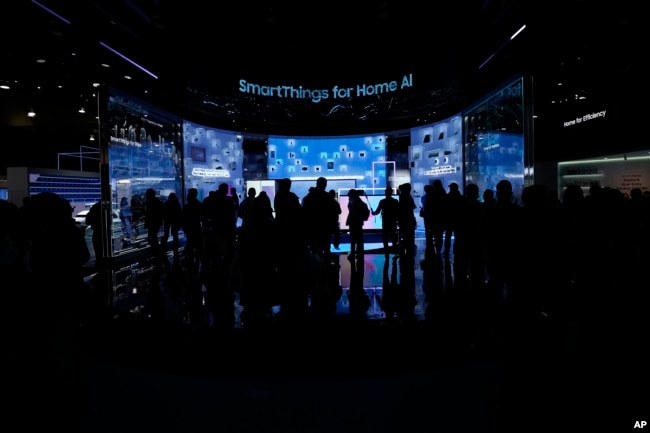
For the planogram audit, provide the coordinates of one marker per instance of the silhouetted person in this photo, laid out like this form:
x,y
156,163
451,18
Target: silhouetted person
x,y
435,213
292,254
454,210
257,265
388,207
501,229
407,223
53,375
245,209
336,225
172,223
220,231
193,228
358,214
319,210
154,215
470,263
428,235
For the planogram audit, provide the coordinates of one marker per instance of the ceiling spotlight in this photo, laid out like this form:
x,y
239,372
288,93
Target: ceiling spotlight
x,y
92,137
31,113
82,111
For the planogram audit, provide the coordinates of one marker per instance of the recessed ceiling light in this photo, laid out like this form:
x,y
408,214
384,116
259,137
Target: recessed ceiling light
x,y
40,60
106,65
128,77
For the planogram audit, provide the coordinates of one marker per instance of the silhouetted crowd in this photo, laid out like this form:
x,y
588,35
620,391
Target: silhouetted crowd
x,y
517,273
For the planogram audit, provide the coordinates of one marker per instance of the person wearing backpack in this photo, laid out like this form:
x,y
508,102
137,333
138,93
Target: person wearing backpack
x,y
358,214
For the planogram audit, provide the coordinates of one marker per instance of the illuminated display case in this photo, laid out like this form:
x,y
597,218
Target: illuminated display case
x,y
622,172
144,151
494,131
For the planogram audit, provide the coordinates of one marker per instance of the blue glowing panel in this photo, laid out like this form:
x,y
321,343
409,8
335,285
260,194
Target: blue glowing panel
x,y
345,157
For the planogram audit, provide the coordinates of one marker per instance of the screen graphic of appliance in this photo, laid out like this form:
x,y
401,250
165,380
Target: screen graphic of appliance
x,y
348,157
436,152
212,157
372,200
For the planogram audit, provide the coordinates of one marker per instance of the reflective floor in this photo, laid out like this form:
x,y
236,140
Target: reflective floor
x,y
134,372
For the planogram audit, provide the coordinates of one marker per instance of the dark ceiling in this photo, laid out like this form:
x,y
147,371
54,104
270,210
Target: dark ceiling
x,y
188,56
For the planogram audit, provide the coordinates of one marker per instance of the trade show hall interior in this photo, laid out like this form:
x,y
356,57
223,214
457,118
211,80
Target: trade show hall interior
x,y
527,314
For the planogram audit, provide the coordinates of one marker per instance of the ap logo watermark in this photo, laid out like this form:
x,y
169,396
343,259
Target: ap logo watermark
x,y
640,424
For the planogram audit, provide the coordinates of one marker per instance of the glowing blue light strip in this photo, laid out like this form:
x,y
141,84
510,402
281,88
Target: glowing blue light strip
x,y
127,59
50,11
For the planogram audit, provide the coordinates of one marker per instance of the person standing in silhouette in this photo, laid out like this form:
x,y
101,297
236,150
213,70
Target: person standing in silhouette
x,y
172,223
193,228
319,210
388,207
336,225
358,214
406,221
292,254
245,209
51,364
154,215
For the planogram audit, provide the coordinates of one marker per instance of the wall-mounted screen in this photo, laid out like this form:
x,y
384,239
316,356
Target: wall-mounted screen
x,y
345,157
212,157
436,152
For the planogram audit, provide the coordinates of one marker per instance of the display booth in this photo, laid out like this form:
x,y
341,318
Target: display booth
x,y
143,147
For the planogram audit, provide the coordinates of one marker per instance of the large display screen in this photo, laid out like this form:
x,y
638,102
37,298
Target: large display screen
x,y
144,151
212,157
344,157
436,152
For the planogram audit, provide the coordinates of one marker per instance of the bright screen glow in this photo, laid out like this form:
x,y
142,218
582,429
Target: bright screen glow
x,y
346,157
